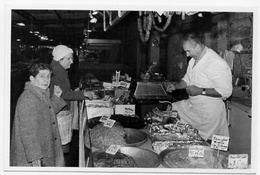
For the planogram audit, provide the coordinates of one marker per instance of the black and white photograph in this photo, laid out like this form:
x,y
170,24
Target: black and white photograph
x,y
111,87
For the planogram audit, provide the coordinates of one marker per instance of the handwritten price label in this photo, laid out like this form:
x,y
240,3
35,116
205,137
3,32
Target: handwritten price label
x,y
238,161
109,123
104,118
196,151
129,111
112,149
220,142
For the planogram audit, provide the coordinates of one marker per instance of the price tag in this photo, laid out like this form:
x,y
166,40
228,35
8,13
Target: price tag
x,y
104,118
112,149
220,142
109,123
238,161
129,110
196,151
125,109
115,84
124,84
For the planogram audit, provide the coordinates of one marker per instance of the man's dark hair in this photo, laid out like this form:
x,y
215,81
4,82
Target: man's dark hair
x,y
195,37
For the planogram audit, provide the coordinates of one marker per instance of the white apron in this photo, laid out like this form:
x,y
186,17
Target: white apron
x,y
207,114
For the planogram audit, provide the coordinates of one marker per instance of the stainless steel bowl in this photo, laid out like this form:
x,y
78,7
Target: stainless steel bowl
x,y
179,158
135,137
144,158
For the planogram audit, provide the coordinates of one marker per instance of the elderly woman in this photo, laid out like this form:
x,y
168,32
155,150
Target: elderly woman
x,y
62,60
35,138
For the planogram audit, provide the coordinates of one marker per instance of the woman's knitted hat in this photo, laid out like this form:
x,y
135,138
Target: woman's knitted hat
x,y
61,51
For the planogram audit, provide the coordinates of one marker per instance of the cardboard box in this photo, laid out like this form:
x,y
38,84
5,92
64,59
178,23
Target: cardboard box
x,y
125,109
98,112
97,108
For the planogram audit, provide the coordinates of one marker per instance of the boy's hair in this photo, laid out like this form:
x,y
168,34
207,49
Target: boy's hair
x,y
34,70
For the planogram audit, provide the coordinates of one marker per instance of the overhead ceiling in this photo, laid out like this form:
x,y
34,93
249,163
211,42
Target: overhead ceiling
x,y
69,27
59,26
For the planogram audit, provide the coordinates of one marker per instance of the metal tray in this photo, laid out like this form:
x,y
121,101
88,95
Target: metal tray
x,y
144,158
150,91
135,137
179,158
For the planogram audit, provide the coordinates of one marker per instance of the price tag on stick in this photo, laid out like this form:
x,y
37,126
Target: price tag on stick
x,y
196,151
220,142
112,149
109,123
104,118
238,161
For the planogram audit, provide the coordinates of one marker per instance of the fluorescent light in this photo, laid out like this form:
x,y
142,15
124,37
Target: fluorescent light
x,y
200,15
94,12
93,20
18,39
20,24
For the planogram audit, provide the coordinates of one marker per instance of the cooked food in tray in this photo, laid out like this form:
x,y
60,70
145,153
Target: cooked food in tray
x,y
104,159
173,131
159,146
102,137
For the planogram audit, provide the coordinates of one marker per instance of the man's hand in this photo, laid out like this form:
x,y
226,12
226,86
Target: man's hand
x,y
193,90
170,88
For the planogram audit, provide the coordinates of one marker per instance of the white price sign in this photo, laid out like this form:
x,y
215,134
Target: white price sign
x,y
125,109
109,123
112,149
238,161
196,151
220,142
104,118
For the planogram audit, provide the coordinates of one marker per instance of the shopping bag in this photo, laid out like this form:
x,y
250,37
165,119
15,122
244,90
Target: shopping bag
x,y
65,126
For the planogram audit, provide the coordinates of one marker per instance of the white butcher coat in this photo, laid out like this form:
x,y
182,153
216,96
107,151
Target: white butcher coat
x,y
207,114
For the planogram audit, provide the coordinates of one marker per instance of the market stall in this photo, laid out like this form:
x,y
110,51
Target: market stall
x,y
128,140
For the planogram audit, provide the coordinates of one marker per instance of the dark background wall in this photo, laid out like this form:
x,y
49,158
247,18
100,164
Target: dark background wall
x,y
222,32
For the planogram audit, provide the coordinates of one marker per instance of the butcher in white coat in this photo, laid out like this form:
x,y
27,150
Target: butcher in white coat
x,y
208,81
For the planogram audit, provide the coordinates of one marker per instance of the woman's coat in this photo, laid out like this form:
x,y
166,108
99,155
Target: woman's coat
x,y
35,132
61,79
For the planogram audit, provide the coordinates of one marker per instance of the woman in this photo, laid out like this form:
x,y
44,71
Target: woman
x,y
35,138
62,60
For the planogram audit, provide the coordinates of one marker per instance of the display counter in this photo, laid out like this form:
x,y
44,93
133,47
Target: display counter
x,y
152,145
